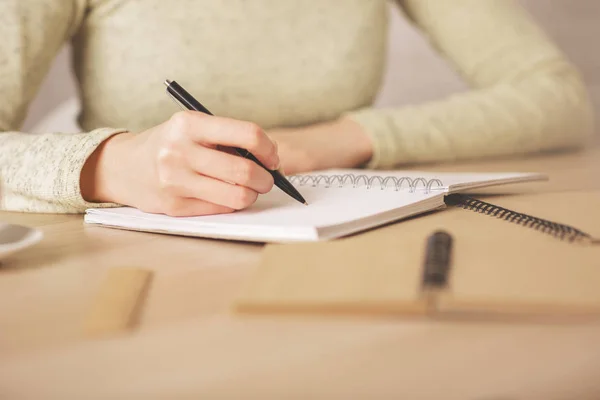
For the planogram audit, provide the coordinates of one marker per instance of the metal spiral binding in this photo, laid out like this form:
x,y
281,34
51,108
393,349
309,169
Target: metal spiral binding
x,y
384,182
560,231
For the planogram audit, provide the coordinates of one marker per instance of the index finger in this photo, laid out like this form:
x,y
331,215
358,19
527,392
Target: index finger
x,y
216,131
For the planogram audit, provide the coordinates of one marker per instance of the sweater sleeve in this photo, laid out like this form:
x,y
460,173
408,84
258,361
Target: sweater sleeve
x,y
526,96
38,173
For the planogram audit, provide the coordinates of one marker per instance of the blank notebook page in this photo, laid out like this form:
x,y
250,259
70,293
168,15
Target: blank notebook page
x,y
278,215
332,210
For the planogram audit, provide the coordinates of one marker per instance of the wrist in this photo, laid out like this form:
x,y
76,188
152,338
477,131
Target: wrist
x,y
100,173
356,141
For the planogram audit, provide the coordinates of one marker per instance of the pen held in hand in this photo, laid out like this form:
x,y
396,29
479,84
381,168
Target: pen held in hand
x,y
187,101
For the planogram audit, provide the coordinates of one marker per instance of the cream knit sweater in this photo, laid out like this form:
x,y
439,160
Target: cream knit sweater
x,y
278,63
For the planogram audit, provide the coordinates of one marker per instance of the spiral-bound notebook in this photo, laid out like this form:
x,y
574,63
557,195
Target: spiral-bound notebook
x,y
341,202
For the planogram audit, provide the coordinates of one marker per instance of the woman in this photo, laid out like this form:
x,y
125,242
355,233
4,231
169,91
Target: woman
x,y
305,72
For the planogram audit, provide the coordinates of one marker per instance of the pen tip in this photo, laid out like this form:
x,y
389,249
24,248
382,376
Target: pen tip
x,y
167,82
305,203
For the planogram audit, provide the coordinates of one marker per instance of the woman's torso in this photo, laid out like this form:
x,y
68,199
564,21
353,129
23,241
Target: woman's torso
x,y
278,63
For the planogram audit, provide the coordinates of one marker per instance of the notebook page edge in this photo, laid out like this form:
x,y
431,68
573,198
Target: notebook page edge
x,y
266,234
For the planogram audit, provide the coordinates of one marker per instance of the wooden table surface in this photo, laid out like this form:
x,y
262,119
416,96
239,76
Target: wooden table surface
x,y
190,345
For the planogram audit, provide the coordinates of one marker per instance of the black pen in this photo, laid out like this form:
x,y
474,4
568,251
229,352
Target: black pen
x,y
188,101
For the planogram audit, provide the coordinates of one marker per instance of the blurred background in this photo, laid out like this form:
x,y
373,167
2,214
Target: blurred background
x,y
415,73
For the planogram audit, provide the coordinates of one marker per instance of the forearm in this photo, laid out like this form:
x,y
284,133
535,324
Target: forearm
x,y
38,173
526,96
539,113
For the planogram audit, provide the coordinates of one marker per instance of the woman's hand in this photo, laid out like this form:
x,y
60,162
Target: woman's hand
x,y
338,144
176,168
